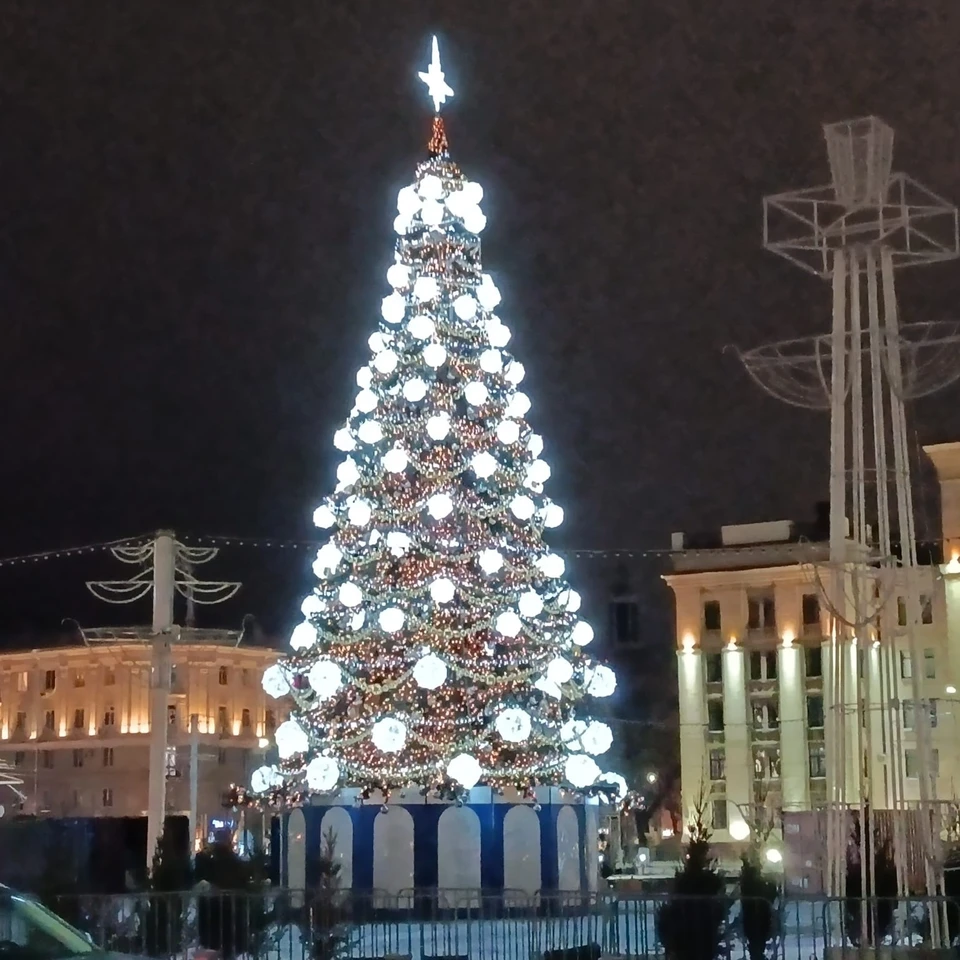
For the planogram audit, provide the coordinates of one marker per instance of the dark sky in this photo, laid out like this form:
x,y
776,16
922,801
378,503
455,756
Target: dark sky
x,y
196,205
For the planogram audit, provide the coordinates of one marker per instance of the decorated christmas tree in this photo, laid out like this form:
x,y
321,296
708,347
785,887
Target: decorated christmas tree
x,y
442,646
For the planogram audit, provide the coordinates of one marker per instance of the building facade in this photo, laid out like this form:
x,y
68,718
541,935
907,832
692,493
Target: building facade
x,y
755,696
75,724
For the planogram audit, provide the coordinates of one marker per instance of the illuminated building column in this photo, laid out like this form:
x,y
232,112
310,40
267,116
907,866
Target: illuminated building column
x,y
793,729
692,730
736,735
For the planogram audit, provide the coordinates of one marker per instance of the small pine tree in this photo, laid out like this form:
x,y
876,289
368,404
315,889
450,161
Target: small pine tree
x,y
692,922
170,875
758,897
880,896
324,924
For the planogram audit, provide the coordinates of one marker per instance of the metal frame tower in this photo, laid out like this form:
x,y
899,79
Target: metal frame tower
x,y
856,232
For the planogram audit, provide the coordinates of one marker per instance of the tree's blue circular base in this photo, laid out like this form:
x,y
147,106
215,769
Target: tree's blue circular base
x,y
491,843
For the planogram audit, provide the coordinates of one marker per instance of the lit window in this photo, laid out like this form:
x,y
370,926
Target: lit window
x,y
766,715
78,758
906,666
78,718
718,819
109,717
50,681
245,719
929,664
23,681
717,765
223,677
107,797
79,680
818,760
108,756
171,762
50,720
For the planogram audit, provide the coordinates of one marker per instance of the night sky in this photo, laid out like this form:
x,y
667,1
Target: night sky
x,y
196,206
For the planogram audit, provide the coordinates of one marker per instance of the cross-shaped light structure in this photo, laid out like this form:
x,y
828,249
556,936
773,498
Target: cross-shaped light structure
x,y
437,88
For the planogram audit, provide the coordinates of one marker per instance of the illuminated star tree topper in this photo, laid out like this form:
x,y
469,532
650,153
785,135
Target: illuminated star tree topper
x,y
437,87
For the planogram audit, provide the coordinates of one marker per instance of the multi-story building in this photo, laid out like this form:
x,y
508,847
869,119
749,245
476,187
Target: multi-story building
x,y
753,651
75,723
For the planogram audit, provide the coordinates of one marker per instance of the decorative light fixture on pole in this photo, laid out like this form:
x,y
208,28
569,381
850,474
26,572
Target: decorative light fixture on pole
x,y
856,232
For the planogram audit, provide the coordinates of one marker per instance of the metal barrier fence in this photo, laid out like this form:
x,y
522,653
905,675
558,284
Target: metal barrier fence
x,y
468,925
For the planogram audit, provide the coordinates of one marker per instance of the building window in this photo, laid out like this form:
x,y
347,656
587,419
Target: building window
x,y
50,681
926,608
929,664
109,677
50,720
172,714
107,797
19,758
245,677
78,758
21,722
171,762
46,759
270,720
810,611
245,719
222,722
718,814
223,677
906,666
813,661
109,717
761,613
815,712
108,756
717,765
763,666
78,718
766,715
766,763
221,757
818,760
713,663
909,715
715,716
23,681
711,615
625,621
79,680
912,763
901,611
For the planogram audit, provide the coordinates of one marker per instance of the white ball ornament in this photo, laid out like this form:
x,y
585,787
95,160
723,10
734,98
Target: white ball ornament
x,y
522,507
402,224
364,377
342,440
538,472
518,406
597,738
358,620
274,682
514,372
386,361
347,472
476,393
484,464
491,360
431,213
312,605
548,687
265,778
389,734
324,517
570,734
398,543
466,770
487,292
322,774
393,307
513,725
434,355
391,619
550,565
465,307
508,431
304,636
370,431
438,426
349,594
359,513
474,219
395,460
398,275
325,678
535,443
366,401
430,187
429,672
471,191
582,633
569,600
414,390
421,327
442,590
490,560
408,203
530,603
328,559
498,333
291,739
439,506
580,770
615,781
552,515
559,670
425,288
600,681
508,624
